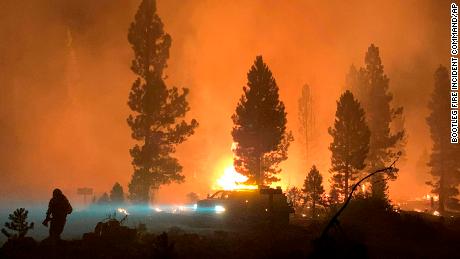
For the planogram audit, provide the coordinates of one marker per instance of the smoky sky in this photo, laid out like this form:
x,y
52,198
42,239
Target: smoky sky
x,y
65,78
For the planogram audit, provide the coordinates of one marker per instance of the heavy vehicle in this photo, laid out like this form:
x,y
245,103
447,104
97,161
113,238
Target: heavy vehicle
x,y
248,205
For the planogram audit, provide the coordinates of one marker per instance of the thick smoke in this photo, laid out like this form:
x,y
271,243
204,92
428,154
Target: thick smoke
x,y
65,79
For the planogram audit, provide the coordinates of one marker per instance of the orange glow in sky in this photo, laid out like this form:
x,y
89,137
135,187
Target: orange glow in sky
x,y
65,79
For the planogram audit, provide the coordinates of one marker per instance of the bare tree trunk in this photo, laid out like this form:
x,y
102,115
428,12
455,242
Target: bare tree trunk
x,y
259,174
313,208
306,145
347,175
442,197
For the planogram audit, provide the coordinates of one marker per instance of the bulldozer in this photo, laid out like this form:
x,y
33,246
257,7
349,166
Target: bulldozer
x,y
261,205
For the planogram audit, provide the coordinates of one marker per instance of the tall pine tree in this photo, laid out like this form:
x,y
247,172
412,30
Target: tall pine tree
x,y
372,88
306,122
356,83
260,127
445,168
350,143
157,121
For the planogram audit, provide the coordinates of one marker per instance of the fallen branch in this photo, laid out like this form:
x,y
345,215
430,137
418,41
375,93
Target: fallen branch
x,y
334,220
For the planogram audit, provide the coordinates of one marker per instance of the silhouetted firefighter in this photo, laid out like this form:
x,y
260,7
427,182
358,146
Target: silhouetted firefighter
x,y
58,209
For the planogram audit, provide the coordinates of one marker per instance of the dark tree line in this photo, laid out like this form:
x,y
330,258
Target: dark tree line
x,y
116,196
368,131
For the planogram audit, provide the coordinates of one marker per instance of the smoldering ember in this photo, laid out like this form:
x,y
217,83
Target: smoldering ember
x,y
229,129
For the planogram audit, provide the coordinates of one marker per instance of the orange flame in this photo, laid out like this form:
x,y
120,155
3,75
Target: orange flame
x,y
232,180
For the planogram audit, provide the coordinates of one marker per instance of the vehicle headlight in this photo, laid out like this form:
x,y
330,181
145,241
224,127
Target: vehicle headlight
x,y
219,208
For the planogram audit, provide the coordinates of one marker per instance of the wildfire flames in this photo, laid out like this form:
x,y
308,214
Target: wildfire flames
x,y
429,196
232,180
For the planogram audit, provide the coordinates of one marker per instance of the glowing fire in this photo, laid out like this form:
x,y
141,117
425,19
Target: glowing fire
x,y
428,197
363,188
232,180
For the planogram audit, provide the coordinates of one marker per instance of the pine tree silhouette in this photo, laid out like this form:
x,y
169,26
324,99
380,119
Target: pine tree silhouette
x,y
370,84
18,223
157,121
444,164
313,188
260,127
350,144
117,195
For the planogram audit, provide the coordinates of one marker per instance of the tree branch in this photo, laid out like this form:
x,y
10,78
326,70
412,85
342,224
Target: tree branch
x,y
334,220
